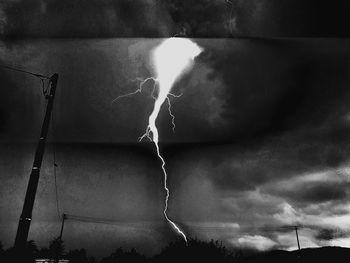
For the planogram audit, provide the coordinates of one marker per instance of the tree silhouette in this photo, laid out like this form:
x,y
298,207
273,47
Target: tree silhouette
x,y
28,255
77,256
196,251
122,256
31,248
54,251
1,252
56,248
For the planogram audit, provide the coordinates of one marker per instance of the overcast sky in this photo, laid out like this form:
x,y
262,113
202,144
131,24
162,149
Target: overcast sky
x,y
261,138
164,18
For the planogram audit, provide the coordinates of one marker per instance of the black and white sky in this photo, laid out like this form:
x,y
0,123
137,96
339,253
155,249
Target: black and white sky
x,y
262,128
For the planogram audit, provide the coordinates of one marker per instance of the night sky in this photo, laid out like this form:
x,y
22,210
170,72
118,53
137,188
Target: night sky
x,y
262,133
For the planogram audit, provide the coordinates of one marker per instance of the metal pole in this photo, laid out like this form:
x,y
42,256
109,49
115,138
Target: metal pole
x,y
26,216
296,233
62,226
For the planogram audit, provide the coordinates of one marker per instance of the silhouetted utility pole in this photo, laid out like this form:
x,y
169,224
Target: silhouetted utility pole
x,y
26,216
296,233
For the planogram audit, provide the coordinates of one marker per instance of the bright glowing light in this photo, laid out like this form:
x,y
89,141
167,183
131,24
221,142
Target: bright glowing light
x,y
171,59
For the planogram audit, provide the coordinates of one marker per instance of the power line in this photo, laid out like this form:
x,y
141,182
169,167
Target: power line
x,y
40,76
134,225
55,170
25,71
94,219
56,190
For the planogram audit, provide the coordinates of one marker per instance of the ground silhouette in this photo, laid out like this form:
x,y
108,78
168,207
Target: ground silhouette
x,y
178,251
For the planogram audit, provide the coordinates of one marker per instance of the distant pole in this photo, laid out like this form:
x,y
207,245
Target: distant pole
x,y
62,226
26,216
296,233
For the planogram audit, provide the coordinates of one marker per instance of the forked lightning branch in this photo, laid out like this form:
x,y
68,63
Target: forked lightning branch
x,y
170,60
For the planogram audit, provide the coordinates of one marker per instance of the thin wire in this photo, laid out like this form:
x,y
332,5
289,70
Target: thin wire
x,y
41,77
104,221
55,176
24,71
57,202
55,164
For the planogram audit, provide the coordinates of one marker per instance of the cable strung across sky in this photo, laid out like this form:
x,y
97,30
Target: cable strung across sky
x,y
170,60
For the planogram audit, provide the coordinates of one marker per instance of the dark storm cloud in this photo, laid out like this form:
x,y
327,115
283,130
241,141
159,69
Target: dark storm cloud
x,y
279,118
154,18
4,118
14,105
328,234
256,18
234,171
283,85
281,182
83,18
327,209
205,18
91,74
244,166
317,192
293,18
117,182
240,91
121,18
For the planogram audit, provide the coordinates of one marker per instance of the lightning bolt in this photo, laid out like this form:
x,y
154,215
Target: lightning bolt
x,y
172,58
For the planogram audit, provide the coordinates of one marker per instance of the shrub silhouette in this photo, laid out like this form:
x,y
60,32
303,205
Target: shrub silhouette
x,y
27,256
178,251
195,251
77,256
122,256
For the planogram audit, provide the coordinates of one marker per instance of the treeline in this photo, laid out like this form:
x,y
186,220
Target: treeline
x,y
55,250
195,250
